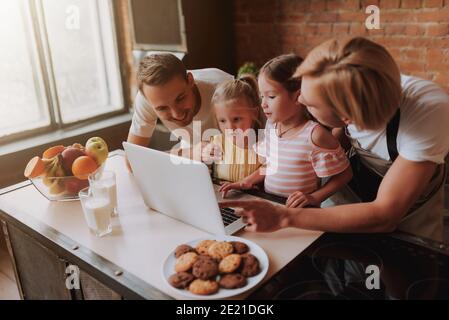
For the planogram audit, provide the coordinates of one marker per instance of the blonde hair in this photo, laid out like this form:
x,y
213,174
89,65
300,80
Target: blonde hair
x,y
244,88
158,69
358,78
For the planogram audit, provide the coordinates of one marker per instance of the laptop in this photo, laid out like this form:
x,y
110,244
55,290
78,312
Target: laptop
x,y
182,189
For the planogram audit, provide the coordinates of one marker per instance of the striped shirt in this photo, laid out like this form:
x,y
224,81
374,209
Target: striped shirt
x,y
296,163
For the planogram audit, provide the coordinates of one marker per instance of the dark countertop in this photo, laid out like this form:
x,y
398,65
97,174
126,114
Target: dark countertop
x,y
339,266
380,267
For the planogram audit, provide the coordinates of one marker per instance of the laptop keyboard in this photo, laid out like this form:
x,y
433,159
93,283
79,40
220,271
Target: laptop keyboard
x,y
228,216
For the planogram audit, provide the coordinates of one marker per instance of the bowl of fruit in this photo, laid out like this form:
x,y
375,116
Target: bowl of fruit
x,y
63,171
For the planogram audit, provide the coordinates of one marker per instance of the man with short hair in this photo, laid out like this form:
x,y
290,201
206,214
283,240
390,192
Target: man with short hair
x,y
174,95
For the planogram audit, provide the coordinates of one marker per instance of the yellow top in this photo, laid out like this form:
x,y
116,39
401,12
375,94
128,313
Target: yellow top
x,y
237,163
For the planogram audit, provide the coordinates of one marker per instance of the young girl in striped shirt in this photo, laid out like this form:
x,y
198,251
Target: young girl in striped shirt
x,y
298,152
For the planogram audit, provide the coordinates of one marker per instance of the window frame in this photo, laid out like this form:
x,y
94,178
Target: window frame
x,y
41,62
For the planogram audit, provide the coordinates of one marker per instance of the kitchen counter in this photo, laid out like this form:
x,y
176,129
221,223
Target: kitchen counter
x,y
129,260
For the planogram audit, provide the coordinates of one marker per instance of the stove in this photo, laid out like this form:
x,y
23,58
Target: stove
x,y
363,267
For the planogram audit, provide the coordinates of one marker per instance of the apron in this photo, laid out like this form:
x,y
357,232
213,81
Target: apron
x,y
425,217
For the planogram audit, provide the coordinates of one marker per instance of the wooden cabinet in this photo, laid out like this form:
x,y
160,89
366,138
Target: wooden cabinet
x,y
43,274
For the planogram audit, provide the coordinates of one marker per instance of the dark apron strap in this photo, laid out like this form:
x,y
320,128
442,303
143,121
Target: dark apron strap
x,y
392,135
366,182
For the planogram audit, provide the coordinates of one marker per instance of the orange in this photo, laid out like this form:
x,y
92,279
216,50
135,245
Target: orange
x,y
52,151
34,168
83,166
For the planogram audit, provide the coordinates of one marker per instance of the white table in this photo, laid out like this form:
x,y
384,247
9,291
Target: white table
x,y
141,238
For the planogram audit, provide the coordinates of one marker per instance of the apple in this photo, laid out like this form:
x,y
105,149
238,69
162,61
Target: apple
x,y
97,149
69,155
74,185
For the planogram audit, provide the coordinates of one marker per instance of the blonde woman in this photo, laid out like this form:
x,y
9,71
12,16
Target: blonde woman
x,y
398,127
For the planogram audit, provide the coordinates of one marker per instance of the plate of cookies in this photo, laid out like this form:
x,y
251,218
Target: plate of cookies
x,y
215,267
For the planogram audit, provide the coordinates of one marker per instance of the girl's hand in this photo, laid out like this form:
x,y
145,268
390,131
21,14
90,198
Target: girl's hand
x,y
211,153
228,186
299,200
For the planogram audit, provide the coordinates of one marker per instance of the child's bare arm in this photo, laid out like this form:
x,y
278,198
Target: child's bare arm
x,y
339,134
334,184
324,139
256,177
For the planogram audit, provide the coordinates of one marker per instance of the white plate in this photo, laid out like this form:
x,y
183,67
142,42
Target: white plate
x,y
168,268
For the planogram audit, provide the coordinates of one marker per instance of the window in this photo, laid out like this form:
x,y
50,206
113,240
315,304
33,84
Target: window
x,y
59,64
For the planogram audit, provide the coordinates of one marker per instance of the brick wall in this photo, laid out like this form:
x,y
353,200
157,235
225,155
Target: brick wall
x,y
416,32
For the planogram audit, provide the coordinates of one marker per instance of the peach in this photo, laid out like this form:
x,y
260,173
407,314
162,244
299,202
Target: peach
x,y
53,151
34,168
83,166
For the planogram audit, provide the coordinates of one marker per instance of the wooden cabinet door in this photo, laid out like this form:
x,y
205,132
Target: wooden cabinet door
x,y
40,272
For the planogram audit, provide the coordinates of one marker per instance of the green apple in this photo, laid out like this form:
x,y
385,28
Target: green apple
x,y
97,149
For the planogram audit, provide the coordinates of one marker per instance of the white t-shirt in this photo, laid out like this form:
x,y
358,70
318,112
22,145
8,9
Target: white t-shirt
x,y
145,118
423,133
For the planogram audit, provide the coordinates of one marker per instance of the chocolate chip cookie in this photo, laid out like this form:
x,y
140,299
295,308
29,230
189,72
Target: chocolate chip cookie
x,y
205,268
181,280
203,246
230,263
219,250
203,287
185,262
249,266
233,281
240,247
183,248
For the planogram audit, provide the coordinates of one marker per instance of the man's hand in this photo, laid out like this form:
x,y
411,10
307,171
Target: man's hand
x,y
299,200
261,215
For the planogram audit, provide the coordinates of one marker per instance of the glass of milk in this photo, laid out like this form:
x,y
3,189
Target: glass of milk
x,y
105,183
97,211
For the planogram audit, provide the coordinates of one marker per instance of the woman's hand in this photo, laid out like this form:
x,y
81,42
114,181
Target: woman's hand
x,y
261,215
240,185
300,200
211,153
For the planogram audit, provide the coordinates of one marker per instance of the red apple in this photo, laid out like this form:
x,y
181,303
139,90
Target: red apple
x,y
74,185
69,155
